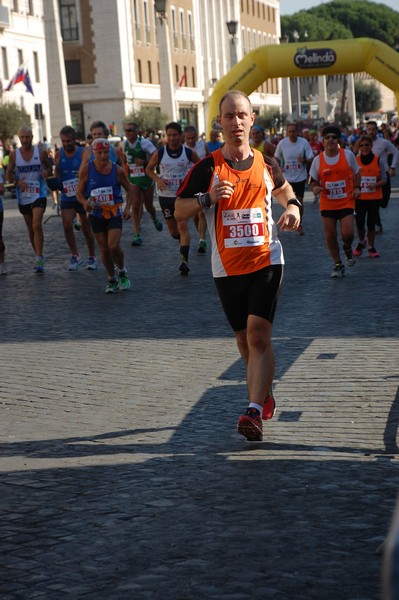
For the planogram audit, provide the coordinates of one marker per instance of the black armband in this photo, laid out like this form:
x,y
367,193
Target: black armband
x,y
204,200
294,201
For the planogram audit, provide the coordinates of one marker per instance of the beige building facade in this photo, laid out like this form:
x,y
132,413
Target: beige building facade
x,y
114,55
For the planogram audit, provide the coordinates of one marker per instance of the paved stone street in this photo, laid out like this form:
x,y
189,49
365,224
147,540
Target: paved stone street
x,y
122,474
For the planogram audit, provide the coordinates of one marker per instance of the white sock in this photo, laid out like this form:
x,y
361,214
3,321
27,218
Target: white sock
x,y
257,406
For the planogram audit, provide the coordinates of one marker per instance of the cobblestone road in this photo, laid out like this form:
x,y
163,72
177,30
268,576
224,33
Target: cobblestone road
x,y
122,475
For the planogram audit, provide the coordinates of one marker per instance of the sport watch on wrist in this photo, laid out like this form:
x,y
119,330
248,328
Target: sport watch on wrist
x,y
294,201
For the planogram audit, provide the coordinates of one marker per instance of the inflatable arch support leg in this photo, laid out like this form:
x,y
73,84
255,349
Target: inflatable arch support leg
x,y
335,57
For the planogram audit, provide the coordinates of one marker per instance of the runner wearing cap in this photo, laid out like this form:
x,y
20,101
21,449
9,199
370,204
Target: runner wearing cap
x,y
99,191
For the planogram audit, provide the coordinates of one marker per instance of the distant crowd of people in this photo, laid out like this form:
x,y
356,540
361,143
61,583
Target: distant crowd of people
x,y
159,161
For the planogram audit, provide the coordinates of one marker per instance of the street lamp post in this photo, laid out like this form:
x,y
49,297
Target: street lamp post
x,y
232,27
295,36
168,104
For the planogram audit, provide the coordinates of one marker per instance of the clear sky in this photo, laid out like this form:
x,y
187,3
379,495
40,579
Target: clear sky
x,y
288,7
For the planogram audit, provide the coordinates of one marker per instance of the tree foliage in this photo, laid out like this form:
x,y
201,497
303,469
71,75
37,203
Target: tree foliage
x,y
272,119
343,19
148,118
368,97
11,119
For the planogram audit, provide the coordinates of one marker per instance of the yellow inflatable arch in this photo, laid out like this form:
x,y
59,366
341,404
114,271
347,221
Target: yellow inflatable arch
x,y
311,59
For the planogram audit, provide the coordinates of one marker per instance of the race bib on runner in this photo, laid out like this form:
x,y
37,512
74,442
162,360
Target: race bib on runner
x,y
243,228
136,171
31,191
293,165
102,196
173,184
70,187
336,190
365,184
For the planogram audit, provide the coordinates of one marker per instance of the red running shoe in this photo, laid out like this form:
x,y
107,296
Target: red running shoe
x,y
269,407
250,425
373,253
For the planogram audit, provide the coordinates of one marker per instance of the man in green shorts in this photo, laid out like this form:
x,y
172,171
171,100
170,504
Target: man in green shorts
x,y
137,151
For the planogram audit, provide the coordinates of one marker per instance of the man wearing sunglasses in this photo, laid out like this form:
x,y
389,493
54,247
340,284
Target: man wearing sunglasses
x,y
335,175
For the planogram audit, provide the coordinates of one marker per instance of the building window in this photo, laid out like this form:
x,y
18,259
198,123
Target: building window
x,y
154,12
191,32
20,57
139,71
147,24
4,63
149,72
30,7
193,76
69,21
73,72
78,120
136,21
36,66
174,29
15,6
177,73
183,31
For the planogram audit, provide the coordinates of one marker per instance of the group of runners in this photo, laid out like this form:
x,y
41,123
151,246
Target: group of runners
x,y
228,191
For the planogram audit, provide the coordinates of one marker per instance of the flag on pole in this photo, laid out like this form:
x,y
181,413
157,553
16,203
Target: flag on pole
x,y
182,80
21,75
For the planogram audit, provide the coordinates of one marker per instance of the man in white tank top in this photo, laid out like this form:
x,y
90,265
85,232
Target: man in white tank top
x,y
29,168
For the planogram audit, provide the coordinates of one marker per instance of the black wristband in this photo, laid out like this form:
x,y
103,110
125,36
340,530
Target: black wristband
x,y
204,200
294,201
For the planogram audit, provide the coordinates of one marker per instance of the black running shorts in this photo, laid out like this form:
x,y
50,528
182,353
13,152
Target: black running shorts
x,y
252,294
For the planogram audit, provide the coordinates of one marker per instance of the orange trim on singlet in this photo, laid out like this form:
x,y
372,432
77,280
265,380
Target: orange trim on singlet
x,y
337,183
242,230
366,171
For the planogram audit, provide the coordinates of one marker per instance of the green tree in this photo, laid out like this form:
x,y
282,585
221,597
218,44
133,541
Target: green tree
x,y
367,96
343,19
11,119
147,118
272,119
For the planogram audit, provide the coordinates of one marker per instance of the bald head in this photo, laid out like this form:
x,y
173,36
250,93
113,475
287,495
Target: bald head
x,y
25,136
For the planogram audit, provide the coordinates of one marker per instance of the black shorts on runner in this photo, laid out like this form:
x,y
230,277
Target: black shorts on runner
x,y
299,188
101,225
251,294
167,206
73,205
337,214
369,209
26,209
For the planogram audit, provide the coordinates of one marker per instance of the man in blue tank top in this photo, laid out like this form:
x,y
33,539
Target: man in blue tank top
x,y
99,191
67,164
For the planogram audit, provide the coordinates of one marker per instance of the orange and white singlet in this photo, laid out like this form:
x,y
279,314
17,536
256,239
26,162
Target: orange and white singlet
x,y
370,173
337,183
242,230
